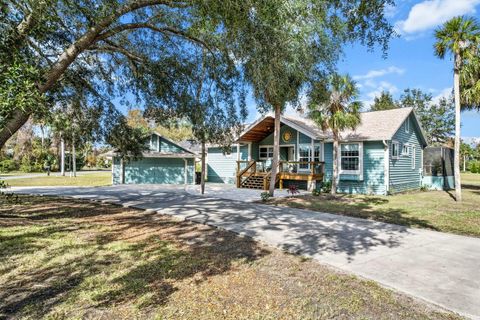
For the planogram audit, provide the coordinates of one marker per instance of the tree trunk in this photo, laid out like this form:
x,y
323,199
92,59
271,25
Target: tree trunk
x,y
202,178
62,156
276,150
456,161
43,136
74,160
464,163
18,120
122,171
335,165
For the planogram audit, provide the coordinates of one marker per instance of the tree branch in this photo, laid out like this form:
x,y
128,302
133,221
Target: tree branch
x,y
164,30
112,47
89,37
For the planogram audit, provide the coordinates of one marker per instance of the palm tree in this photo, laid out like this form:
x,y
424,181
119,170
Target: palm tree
x,y
333,106
470,82
457,36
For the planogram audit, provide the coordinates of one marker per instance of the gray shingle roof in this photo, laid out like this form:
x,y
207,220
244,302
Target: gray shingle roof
x,y
375,125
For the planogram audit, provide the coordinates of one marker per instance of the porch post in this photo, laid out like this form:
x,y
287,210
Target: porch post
x,y
310,183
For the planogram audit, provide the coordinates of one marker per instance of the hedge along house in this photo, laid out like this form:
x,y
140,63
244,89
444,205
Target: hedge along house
x,y
383,155
164,163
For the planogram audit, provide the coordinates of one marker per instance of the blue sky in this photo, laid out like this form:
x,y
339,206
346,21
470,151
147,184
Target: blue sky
x,y
410,62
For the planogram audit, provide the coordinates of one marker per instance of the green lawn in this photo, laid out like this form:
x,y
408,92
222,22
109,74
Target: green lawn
x,y
71,259
436,210
470,178
87,180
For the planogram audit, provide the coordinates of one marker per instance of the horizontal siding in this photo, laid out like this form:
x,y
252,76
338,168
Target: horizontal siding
x,y
269,139
402,176
167,146
373,170
155,171
222,167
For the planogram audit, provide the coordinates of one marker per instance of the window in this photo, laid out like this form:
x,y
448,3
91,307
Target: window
x,y
350,158
317,153
266,153
405,150
414,158
395,149
407,126
317,157
304,154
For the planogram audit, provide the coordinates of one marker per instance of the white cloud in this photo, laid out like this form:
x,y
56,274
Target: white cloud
x,y
431,13
444,93
390,11
379,73
471,140
379,88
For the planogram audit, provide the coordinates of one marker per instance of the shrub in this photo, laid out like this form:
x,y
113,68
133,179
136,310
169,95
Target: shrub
x,y
25,164
316,192
5,196
474,167
102,162
8,165
265,196
326,186
425,187
293,189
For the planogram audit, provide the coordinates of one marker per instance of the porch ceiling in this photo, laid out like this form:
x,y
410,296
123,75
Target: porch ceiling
x,y
259,131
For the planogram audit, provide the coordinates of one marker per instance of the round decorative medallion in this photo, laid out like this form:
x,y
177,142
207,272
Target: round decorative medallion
x,y
287,135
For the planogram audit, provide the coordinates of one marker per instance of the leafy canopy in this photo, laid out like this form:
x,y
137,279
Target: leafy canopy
x,y
286,44
332,104
457,37
437,118
383,102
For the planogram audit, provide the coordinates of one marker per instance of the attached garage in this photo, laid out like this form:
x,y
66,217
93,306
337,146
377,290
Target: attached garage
x,y
165,163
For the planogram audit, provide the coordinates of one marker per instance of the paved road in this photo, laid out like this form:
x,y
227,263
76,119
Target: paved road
x,y
440,268
44,174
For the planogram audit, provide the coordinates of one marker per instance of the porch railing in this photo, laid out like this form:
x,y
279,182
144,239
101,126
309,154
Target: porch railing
x,y
302,167
286,169
245,169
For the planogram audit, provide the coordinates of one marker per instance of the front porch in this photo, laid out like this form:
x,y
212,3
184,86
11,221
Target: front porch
x,y
256,174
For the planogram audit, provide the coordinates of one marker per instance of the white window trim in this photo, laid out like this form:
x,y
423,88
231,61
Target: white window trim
x,y
310,156
407,146
358,172
398,149
407,126
264,146
321,155
414,158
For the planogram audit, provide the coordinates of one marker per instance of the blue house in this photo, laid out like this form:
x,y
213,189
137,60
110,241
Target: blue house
x,y
382,156
165,163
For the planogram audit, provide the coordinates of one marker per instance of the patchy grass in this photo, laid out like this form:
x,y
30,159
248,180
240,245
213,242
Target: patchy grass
x,y
72,259
86,180
436,210
469,178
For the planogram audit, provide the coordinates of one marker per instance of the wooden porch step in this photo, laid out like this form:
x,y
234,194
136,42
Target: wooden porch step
x,y
253,182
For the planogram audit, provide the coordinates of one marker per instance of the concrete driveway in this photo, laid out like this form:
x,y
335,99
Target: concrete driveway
x,y
437,267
